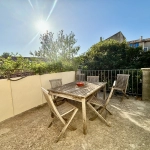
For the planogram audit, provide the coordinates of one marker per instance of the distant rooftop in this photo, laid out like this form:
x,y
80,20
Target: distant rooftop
x,y
117,36
140,40
118,33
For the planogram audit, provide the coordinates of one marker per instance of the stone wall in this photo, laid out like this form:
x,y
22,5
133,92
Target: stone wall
x,y
146,84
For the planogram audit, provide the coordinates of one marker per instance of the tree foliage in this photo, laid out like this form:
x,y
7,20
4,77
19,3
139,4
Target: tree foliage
x,y
16,65
13,63
5,55
111,54
60,49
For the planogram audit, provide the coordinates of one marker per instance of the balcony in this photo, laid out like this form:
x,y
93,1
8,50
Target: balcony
x,y
24,116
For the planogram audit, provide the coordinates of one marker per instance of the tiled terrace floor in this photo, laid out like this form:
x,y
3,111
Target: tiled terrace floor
x,y
130,129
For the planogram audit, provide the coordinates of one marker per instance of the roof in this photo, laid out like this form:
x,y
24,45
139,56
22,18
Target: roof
x,y
115,35
139,40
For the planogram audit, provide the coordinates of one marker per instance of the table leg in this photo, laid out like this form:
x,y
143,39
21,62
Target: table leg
x,y
84,116
104,92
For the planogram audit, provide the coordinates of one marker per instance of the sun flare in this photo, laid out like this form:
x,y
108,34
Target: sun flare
x,y
42,26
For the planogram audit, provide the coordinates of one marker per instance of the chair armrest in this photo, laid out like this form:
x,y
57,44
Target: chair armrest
x,y
114,83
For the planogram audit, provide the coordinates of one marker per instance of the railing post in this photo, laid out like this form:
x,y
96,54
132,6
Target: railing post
x,y
78,71
146,84
135,84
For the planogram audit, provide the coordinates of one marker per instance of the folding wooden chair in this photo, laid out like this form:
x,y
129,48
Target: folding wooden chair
x,y
60,111
121,84
92,78
56,83
98,106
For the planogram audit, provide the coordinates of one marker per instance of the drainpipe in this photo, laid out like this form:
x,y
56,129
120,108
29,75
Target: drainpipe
x,y
141,39
143,45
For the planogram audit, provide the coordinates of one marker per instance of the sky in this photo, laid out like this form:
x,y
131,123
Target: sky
x,y
22,21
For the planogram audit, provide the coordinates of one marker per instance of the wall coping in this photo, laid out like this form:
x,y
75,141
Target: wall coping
x,y
145,69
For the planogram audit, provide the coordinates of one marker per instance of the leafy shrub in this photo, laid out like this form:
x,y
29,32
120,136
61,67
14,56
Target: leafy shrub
x,y
12,66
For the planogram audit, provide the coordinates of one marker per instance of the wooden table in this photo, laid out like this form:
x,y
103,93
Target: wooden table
x,y
80,94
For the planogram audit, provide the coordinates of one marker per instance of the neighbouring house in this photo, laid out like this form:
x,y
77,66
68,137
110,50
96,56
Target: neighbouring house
x,y
144,43
118,37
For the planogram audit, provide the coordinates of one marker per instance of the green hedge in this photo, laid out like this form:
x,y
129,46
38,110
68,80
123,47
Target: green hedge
x,y
17,66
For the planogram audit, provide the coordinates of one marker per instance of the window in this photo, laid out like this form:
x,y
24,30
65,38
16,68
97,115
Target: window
x,y
130,45
134,45
145,49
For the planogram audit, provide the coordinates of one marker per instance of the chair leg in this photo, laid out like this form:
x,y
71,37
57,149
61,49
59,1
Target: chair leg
x,y
112,92
125,95
102,109
98,114
52,116
93,118
70,127
66,125
50,124
108,111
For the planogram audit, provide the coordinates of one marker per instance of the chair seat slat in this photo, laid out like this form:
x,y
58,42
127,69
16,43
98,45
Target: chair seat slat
x,y
65,108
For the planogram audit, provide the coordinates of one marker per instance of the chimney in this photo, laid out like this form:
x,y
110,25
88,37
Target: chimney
x,y
141,38
100,39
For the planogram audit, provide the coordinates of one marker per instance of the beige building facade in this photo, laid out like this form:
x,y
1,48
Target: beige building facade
x,y
144,43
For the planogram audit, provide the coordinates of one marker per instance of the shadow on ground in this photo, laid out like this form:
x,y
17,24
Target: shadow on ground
x,y
130,129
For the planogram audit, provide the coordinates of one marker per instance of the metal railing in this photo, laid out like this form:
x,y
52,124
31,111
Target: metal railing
x,y
135,79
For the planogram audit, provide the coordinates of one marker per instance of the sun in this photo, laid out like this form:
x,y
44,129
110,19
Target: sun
x,y
42,26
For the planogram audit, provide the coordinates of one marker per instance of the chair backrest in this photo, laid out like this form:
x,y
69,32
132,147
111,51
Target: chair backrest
x,y
50,102
122,81
92,78
55,83
80,77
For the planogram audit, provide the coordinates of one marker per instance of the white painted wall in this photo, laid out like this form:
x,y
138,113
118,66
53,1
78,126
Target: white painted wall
x,y
19,96
6,107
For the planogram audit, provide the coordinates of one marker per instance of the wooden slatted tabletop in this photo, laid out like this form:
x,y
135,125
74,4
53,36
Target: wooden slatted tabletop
x,y
83,91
